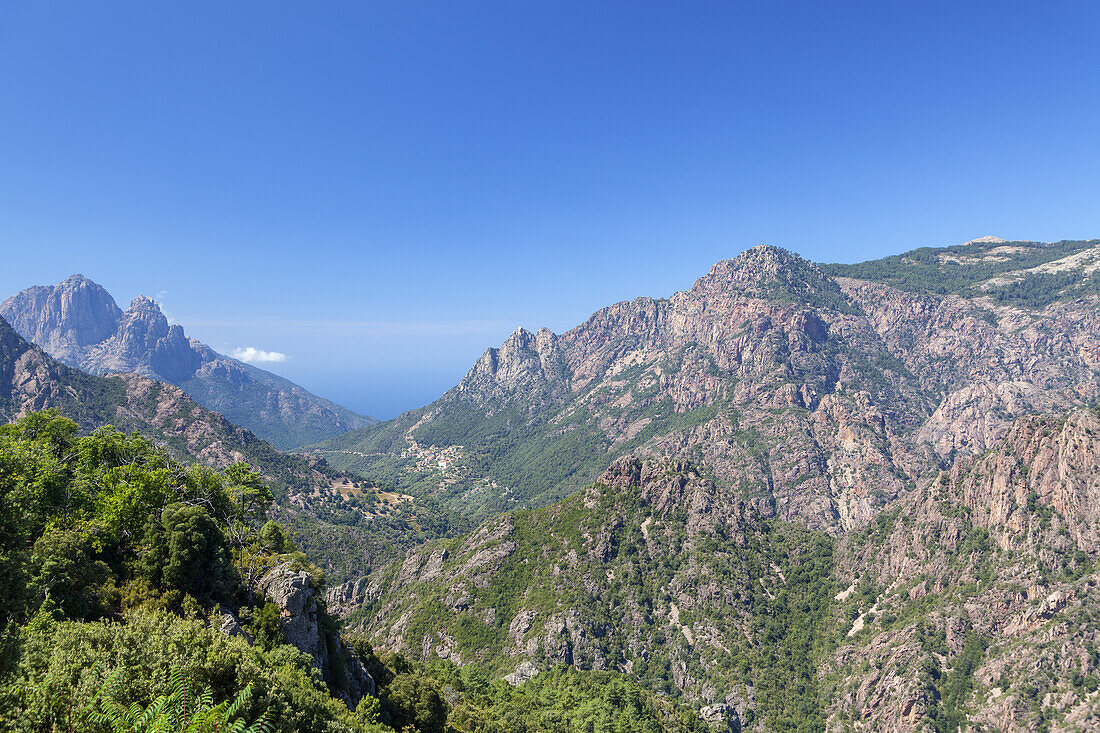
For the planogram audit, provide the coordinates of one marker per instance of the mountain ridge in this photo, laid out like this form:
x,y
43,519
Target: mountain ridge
x,y
819,502
79,323
822,394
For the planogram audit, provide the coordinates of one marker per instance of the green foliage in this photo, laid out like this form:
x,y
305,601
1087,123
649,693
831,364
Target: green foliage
x,y
561,700
64,665
248,499
187,552
413,699
82,517
180,711
1040,289
95,526
272,538
63,570
349,536
948,714
263,624
791,628
957,269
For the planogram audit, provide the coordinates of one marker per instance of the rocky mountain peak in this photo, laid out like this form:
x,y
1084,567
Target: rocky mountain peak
x,y
78,322
768,272
521,338
142,326
64,317
523,359
144,304
987,239
78,280
763,259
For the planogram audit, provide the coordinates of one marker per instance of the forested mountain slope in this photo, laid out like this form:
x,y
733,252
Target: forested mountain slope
x,y
78,322
344,523
972,598
142,594
655,571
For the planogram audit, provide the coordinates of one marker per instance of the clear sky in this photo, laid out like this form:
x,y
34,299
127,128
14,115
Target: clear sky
x,y
380,190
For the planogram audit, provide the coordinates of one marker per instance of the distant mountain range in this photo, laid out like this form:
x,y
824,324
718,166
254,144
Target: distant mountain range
x,y
822,391
78,322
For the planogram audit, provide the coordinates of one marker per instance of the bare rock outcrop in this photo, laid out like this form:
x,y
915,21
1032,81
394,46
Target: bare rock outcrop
x,y
301,620
1002,548
299,611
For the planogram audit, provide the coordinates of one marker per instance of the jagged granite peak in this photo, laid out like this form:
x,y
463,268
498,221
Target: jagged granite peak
x,y
147,311
78,322
145,343
519,363
64,318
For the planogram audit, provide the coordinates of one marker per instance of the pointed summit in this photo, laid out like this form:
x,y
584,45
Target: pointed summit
x,y
525,360
144,303
63,318
76,279
768,272
144,330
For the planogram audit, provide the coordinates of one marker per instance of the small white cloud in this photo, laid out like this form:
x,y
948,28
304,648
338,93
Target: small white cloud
x,y
251,354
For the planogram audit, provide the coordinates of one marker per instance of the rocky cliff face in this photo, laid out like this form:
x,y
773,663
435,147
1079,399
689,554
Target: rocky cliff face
x,y
145,343
64,319
306,625
526,364
822,397
999,553
77,322
989,362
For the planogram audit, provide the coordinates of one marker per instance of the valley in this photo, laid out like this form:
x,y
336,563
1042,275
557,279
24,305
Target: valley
x,y
794,497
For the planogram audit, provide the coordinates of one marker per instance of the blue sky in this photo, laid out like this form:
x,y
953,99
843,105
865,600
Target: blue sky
x,y
380,190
